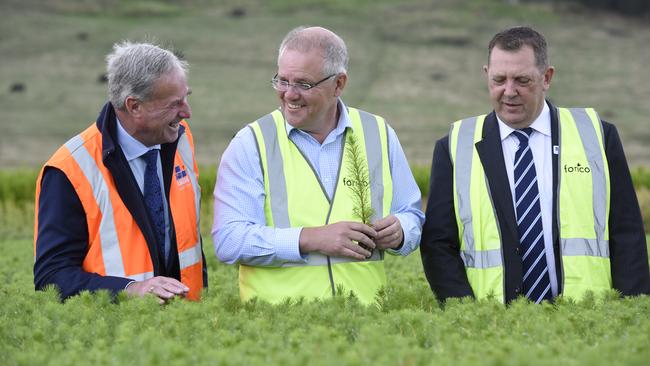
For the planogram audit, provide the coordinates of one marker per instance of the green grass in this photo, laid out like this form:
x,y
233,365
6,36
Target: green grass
x,y
408,328
416,62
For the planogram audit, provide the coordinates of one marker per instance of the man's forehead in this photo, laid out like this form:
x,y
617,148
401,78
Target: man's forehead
x,y
515,61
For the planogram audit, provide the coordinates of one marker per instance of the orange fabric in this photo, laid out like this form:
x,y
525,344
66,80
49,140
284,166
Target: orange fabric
x,y
135,256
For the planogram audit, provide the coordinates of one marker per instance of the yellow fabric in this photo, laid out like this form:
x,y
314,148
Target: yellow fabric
x,y
581,273
308,206
484,281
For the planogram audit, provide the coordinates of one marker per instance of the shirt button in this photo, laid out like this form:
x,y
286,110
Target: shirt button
x,y
517,290
518,251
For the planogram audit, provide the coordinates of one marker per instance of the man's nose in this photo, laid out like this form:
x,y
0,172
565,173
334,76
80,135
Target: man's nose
x,y
185,111
510,89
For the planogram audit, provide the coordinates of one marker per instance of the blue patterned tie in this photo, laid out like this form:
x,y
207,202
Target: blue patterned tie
x,y
153,197
537,284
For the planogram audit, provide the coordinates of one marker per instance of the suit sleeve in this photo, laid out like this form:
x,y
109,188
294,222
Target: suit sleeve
x,y
627,244
440,247
62,241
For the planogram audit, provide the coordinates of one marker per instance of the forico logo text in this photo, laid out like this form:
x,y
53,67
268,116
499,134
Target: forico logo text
x,y
576,169
352,182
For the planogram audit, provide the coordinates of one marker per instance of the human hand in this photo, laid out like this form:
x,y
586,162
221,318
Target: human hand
x,y
165,288
389,232
341,239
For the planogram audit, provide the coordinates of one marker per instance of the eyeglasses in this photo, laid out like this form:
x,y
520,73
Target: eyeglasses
x,y
283,85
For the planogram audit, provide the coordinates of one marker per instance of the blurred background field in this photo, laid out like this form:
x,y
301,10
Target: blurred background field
x,y
416,62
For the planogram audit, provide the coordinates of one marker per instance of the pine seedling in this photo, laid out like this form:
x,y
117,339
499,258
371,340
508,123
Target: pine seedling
x,y
360,187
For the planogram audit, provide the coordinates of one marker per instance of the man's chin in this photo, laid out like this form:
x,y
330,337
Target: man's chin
x,y
512,120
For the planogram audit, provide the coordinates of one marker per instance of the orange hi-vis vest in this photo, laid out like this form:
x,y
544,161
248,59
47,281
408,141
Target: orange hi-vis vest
x,y
116,245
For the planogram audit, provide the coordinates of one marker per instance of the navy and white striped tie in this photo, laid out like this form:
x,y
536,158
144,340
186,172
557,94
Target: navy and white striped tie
x,y
537,284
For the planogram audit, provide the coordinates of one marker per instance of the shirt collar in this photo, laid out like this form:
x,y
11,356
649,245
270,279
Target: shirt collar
x,y
341,125
131,147
542,124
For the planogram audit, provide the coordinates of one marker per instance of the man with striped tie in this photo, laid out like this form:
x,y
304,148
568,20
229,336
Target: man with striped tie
x,y
531,200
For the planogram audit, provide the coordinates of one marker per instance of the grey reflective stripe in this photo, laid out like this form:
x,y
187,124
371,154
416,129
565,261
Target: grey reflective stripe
x,y
585,247
185,151
190,257
141,276
111,253
317,259
481,258
463,175
277,185
597,166
375,162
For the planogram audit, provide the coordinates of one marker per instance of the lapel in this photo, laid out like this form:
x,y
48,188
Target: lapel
x,y
126,185
555,141
491,154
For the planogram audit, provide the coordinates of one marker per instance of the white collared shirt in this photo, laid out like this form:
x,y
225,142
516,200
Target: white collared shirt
x,y
541,147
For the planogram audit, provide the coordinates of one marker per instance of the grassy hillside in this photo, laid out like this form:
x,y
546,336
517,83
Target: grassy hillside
x,y
416,62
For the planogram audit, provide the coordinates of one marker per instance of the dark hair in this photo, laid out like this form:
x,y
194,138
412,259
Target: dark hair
x,y
513,39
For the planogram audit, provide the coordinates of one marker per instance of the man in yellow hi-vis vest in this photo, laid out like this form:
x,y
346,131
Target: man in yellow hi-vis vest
x,y
117,206
310,196
531,200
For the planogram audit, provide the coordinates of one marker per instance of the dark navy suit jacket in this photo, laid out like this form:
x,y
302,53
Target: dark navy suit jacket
x,y
62,240
440,247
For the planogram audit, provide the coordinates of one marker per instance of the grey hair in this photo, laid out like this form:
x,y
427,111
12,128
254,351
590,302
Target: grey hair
x,y
133,68
333,49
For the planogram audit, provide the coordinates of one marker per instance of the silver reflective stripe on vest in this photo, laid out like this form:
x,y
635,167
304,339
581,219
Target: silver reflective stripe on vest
x,y
375,163
481,258
141,276
111,254
463,174
185,151
275,166
190,257
597,166
585,247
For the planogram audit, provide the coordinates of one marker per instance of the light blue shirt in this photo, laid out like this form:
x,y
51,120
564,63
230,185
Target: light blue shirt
x,y
239,230
540,145
133,151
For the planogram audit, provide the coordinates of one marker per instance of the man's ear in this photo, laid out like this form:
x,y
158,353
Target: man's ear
x,y
548,75
341,80
133,105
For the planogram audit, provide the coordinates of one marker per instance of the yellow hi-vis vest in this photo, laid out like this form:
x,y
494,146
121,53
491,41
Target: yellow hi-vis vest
x,y
295,198
584,195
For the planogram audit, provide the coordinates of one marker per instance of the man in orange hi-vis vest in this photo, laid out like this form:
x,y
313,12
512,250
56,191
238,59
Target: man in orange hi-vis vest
x,y
117,206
